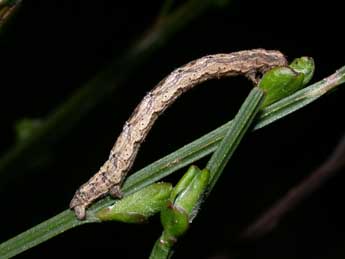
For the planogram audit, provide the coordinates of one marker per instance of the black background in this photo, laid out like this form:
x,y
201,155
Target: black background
x,y
53,47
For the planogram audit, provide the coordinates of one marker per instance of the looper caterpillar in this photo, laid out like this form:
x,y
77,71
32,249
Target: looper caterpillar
x,y
110,176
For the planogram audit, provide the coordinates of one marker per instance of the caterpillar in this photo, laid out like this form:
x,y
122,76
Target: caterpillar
x,y
108,180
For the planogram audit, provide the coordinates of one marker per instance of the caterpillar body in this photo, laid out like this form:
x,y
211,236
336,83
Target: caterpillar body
x,y
110,176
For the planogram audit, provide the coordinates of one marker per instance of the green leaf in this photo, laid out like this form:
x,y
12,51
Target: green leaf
x,y
139,206
185,197
280,82
189,198
175,222
178,213
185,180
234,134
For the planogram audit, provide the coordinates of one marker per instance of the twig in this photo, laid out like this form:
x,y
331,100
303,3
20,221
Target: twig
x,y
234,135
192,186
270,218
167,165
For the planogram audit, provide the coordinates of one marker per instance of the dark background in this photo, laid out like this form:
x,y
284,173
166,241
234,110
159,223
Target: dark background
x,y
53,47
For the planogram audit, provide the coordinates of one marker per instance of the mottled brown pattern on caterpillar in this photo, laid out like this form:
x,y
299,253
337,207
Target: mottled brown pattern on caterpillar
x,y
110,176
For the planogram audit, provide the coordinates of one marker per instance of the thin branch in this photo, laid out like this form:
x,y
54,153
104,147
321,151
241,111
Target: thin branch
x,y
167,165
195,182
271,217
234,135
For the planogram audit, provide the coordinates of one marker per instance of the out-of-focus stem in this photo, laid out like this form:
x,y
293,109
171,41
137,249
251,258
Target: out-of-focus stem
x,y
67,115
271,217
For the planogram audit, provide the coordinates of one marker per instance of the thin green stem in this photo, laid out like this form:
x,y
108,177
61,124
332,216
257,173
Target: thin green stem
x,y
169,164
38,234
234,135
208,143
189,202
160,251
301,98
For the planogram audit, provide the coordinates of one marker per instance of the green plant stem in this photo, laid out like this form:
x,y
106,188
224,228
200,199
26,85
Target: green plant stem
x,y
165,166
160,250
234,135
67,115
40,233
301,98
208,143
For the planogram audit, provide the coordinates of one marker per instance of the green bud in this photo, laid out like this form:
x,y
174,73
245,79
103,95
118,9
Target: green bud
x,y
175,223
190,197
304,65
183,202
280,82
139,206
184,181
